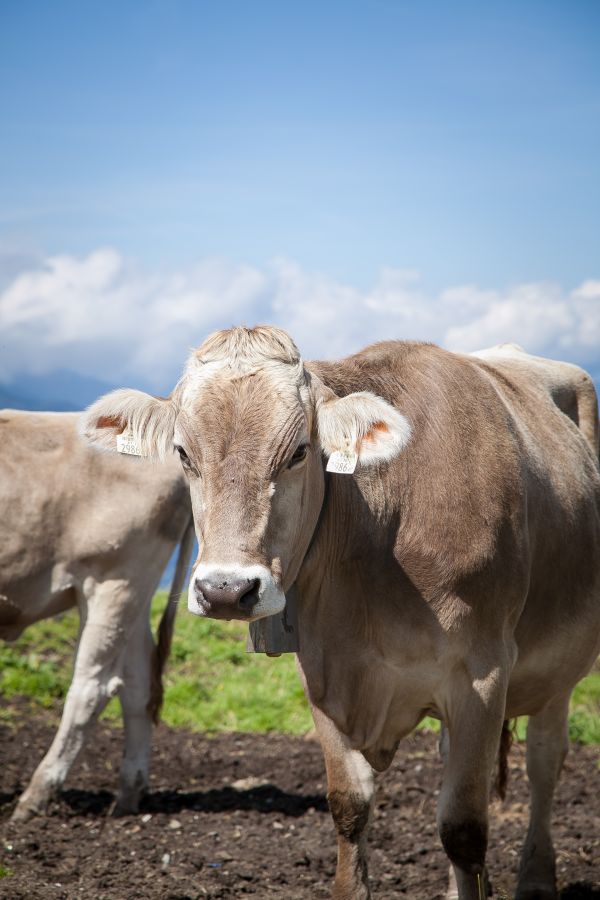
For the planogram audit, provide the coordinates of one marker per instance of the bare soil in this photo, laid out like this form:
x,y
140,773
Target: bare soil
x,y
245,814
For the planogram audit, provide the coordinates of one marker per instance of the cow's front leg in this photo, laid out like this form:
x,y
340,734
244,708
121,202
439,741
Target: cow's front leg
x,y
547,744
452,892
135,696
350,793
474,712
96,678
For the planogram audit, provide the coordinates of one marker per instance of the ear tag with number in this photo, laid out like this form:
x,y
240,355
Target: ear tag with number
x,y
126,443
343,462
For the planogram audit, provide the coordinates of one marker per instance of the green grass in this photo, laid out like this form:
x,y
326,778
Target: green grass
x,y
584,719
39,664
212,684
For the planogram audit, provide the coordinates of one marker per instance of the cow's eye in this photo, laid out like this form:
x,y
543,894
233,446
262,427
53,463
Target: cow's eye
x,y
185,460
299,456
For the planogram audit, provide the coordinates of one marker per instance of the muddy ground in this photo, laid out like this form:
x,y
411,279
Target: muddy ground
x,y
243,814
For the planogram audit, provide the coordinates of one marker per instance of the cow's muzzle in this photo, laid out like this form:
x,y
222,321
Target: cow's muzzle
x,y
230,591
227,598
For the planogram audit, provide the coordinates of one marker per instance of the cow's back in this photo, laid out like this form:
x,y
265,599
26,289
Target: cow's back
x,y
570,387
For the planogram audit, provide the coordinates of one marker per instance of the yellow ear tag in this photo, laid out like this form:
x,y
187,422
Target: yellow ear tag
x,y
343,462
126,443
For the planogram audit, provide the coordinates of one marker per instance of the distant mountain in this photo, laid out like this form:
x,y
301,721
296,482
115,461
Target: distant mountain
x,y
60,391
10,399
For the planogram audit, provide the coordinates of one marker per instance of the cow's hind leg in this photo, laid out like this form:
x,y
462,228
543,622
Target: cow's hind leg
x,y
350,793
475,704
135,699
96,678
547,744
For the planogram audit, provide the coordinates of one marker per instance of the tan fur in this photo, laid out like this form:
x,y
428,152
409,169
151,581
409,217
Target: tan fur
x,y
456,575
150,420
243,348
92,529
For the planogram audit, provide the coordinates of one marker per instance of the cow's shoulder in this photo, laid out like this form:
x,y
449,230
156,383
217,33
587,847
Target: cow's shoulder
x,y
435,388
379,366
485,435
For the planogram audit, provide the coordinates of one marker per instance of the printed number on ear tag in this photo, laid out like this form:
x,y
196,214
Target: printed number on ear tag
x,y
127,444
342,461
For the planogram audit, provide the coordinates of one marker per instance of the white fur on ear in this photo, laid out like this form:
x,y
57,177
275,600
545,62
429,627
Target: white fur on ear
x,y
363,423
151,421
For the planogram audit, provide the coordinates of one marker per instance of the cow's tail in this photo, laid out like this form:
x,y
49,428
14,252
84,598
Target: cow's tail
x,y
165,629
506,739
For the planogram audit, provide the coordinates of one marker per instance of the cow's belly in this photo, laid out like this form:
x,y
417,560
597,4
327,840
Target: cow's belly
x,y
30,600
557,644
549,670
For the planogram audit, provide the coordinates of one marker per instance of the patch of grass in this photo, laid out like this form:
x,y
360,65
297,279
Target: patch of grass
x,y
5,872
429,724
584,716
584,712
39,665
212,684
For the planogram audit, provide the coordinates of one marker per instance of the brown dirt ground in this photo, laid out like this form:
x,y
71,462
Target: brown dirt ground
x,y
205,832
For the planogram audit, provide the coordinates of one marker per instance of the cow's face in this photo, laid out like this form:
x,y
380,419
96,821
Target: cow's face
x,y
252,428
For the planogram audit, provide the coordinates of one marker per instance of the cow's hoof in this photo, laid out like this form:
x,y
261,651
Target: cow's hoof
x,y
452,893
124,807
130,794
127,803
536,892
362,894
23,812
350,890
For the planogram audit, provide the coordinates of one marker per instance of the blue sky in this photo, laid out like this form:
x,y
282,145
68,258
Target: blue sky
x,y
459,141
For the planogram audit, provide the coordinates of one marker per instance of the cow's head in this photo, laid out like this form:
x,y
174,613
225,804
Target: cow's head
x,y
252,427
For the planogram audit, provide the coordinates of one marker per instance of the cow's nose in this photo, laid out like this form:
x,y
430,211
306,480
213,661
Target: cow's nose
x,y
225,596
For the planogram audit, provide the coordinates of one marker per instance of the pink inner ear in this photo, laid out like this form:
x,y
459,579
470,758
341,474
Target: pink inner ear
x,y
111,422
376,429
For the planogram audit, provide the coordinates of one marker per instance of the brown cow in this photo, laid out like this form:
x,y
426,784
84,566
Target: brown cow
x,y
455,573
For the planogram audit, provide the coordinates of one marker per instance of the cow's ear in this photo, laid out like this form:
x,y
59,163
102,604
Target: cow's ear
x,y
362,423
143,422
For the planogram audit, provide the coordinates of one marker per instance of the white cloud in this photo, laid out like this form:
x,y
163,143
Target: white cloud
x,y
102,315
535,315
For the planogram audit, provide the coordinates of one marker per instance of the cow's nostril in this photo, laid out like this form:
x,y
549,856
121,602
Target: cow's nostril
x,y
249,598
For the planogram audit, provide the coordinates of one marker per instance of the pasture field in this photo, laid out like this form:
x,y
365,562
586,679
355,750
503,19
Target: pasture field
x,y
212,684
232,812
232,815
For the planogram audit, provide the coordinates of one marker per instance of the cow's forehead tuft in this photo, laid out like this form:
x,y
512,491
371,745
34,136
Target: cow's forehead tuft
x,y
245,348
240,353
